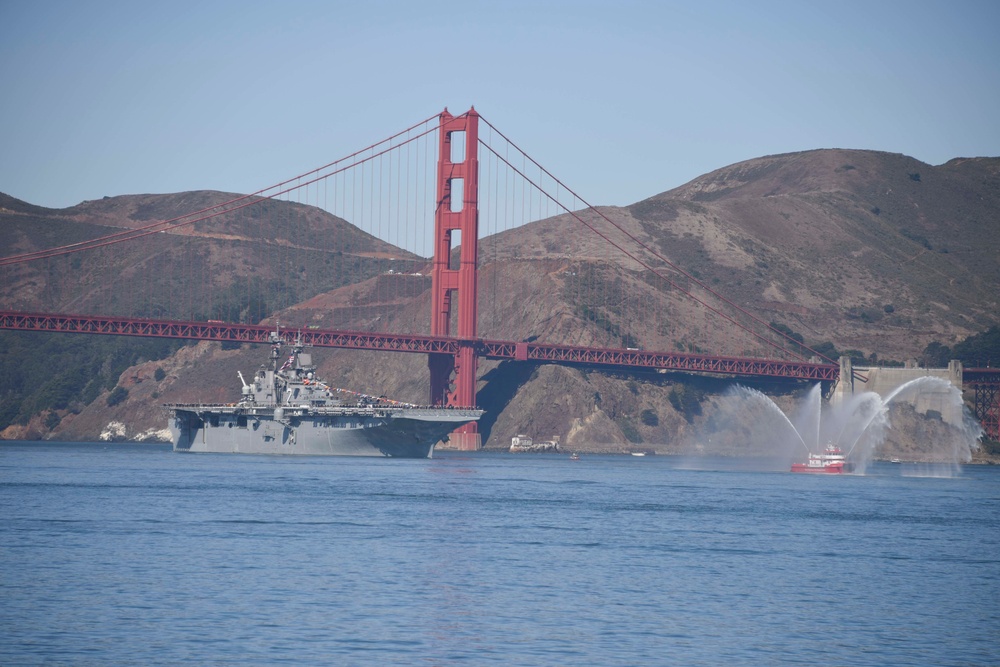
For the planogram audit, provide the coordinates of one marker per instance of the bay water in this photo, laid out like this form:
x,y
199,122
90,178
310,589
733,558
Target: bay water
x,y
133,554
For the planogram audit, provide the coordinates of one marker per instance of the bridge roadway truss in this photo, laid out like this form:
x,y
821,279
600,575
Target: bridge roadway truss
x,y
220,331
360,340
691,363
986,401
984,381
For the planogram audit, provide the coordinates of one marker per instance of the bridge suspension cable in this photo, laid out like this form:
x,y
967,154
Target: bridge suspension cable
x,y
232,205
644,246
385,189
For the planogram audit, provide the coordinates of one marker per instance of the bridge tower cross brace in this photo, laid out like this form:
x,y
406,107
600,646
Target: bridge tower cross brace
x,y
453,378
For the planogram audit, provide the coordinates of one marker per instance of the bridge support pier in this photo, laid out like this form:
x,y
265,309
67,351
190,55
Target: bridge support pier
x,y
457,210
987,407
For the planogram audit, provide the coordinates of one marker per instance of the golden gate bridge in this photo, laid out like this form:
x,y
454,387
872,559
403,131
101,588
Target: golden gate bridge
x,y
621,292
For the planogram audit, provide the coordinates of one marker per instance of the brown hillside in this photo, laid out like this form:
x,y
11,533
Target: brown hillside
x,y
827,239
280,252
869,251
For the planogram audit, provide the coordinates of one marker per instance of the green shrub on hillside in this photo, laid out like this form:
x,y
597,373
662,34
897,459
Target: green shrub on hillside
x,y
117,395
981,349
629,430
686,400
55,371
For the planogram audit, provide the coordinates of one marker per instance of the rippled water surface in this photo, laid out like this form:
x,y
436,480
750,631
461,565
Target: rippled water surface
x,y
133,554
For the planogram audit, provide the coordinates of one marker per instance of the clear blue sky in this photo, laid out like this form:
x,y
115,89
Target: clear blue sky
x,y
621,100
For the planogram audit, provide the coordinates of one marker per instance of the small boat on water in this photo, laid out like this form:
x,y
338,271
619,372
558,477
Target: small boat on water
x,y
574,457
831,461
523,443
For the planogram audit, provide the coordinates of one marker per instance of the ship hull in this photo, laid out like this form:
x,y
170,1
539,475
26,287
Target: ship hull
x,y
395,433
832,469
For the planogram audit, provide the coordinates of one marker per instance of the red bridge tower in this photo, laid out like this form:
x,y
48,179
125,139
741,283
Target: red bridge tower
x,y
453,378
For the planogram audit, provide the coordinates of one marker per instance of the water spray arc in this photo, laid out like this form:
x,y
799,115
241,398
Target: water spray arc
x,y
881,410
845,436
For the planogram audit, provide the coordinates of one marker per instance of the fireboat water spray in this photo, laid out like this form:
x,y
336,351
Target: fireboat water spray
x,y
844,437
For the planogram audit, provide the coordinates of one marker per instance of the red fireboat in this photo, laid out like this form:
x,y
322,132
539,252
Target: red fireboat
x,y
831,461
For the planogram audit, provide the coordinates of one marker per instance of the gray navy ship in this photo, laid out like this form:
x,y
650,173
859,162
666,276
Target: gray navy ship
x,y
286,409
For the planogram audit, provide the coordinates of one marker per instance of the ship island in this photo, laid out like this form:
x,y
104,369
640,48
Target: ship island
x,y
287,409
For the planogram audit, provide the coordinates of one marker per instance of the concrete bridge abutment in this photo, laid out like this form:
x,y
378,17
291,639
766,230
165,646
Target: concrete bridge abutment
x,y
885,381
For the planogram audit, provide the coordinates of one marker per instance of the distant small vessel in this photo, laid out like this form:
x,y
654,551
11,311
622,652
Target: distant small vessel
x,y
574,457
521,443
895,461
831,461
638,453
